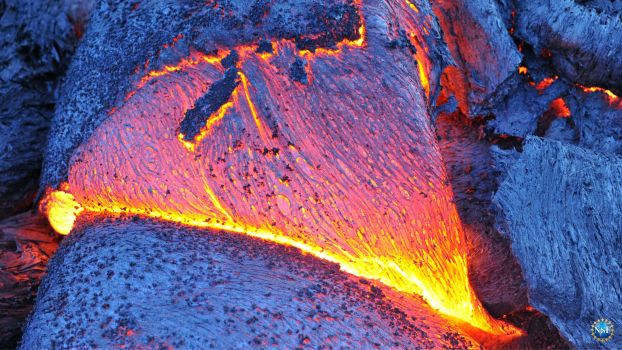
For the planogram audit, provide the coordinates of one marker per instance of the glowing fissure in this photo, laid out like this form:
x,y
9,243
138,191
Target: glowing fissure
x,y
354,180
260,127
614,100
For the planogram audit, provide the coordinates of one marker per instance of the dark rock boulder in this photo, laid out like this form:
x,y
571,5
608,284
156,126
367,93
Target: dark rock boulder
x,y
561,206
482,49
38,39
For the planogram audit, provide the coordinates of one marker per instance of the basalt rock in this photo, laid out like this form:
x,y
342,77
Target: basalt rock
x,y
143,284
26,243
561,207
38,39
582,37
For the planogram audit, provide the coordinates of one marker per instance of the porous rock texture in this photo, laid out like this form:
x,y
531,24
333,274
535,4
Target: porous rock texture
x,y
561,206
138,283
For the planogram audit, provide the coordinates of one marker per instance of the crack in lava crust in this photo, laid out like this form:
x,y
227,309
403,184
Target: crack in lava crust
x,y
345,167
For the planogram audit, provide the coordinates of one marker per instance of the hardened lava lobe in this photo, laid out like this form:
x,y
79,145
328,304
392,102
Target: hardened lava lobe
x,y
338,159
155,285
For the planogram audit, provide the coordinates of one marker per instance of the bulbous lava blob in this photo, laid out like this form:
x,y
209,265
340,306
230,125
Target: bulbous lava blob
x,y
341,163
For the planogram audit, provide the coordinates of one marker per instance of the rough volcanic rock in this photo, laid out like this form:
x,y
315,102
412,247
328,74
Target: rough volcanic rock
x,y
518,106
561,206
138,283
483,51
493,271
38,38
595,122
26,244
503,159
582,36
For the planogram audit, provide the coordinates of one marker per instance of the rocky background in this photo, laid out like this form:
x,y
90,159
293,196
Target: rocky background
x,y
38,39
529,124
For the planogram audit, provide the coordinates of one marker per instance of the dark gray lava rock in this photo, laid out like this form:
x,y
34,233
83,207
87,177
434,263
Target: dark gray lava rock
x,y
584,38
132,284
217,95
561,206
38,38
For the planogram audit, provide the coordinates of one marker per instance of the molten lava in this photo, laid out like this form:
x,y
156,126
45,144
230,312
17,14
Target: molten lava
x,y
344,167
544,83
61,209
614,100
559,107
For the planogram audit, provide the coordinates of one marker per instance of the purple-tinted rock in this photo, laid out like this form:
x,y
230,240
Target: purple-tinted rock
x,y
561,206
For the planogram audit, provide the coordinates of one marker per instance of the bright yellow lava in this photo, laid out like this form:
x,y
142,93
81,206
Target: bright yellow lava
x,y
62,209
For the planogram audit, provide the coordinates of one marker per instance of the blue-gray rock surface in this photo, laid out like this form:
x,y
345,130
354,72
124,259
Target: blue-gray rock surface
x,y
561,206
37,41
143,284
582,36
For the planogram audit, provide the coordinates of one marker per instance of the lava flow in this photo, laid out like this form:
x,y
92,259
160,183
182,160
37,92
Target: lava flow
x,y
327,150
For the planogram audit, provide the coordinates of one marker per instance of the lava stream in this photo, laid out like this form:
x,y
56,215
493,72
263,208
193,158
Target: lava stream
x,y
344,167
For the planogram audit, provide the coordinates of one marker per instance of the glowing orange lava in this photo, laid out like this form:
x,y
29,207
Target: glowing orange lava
x,y
350,178
62,209
613,99
423,62
412,6
560,108
545,83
